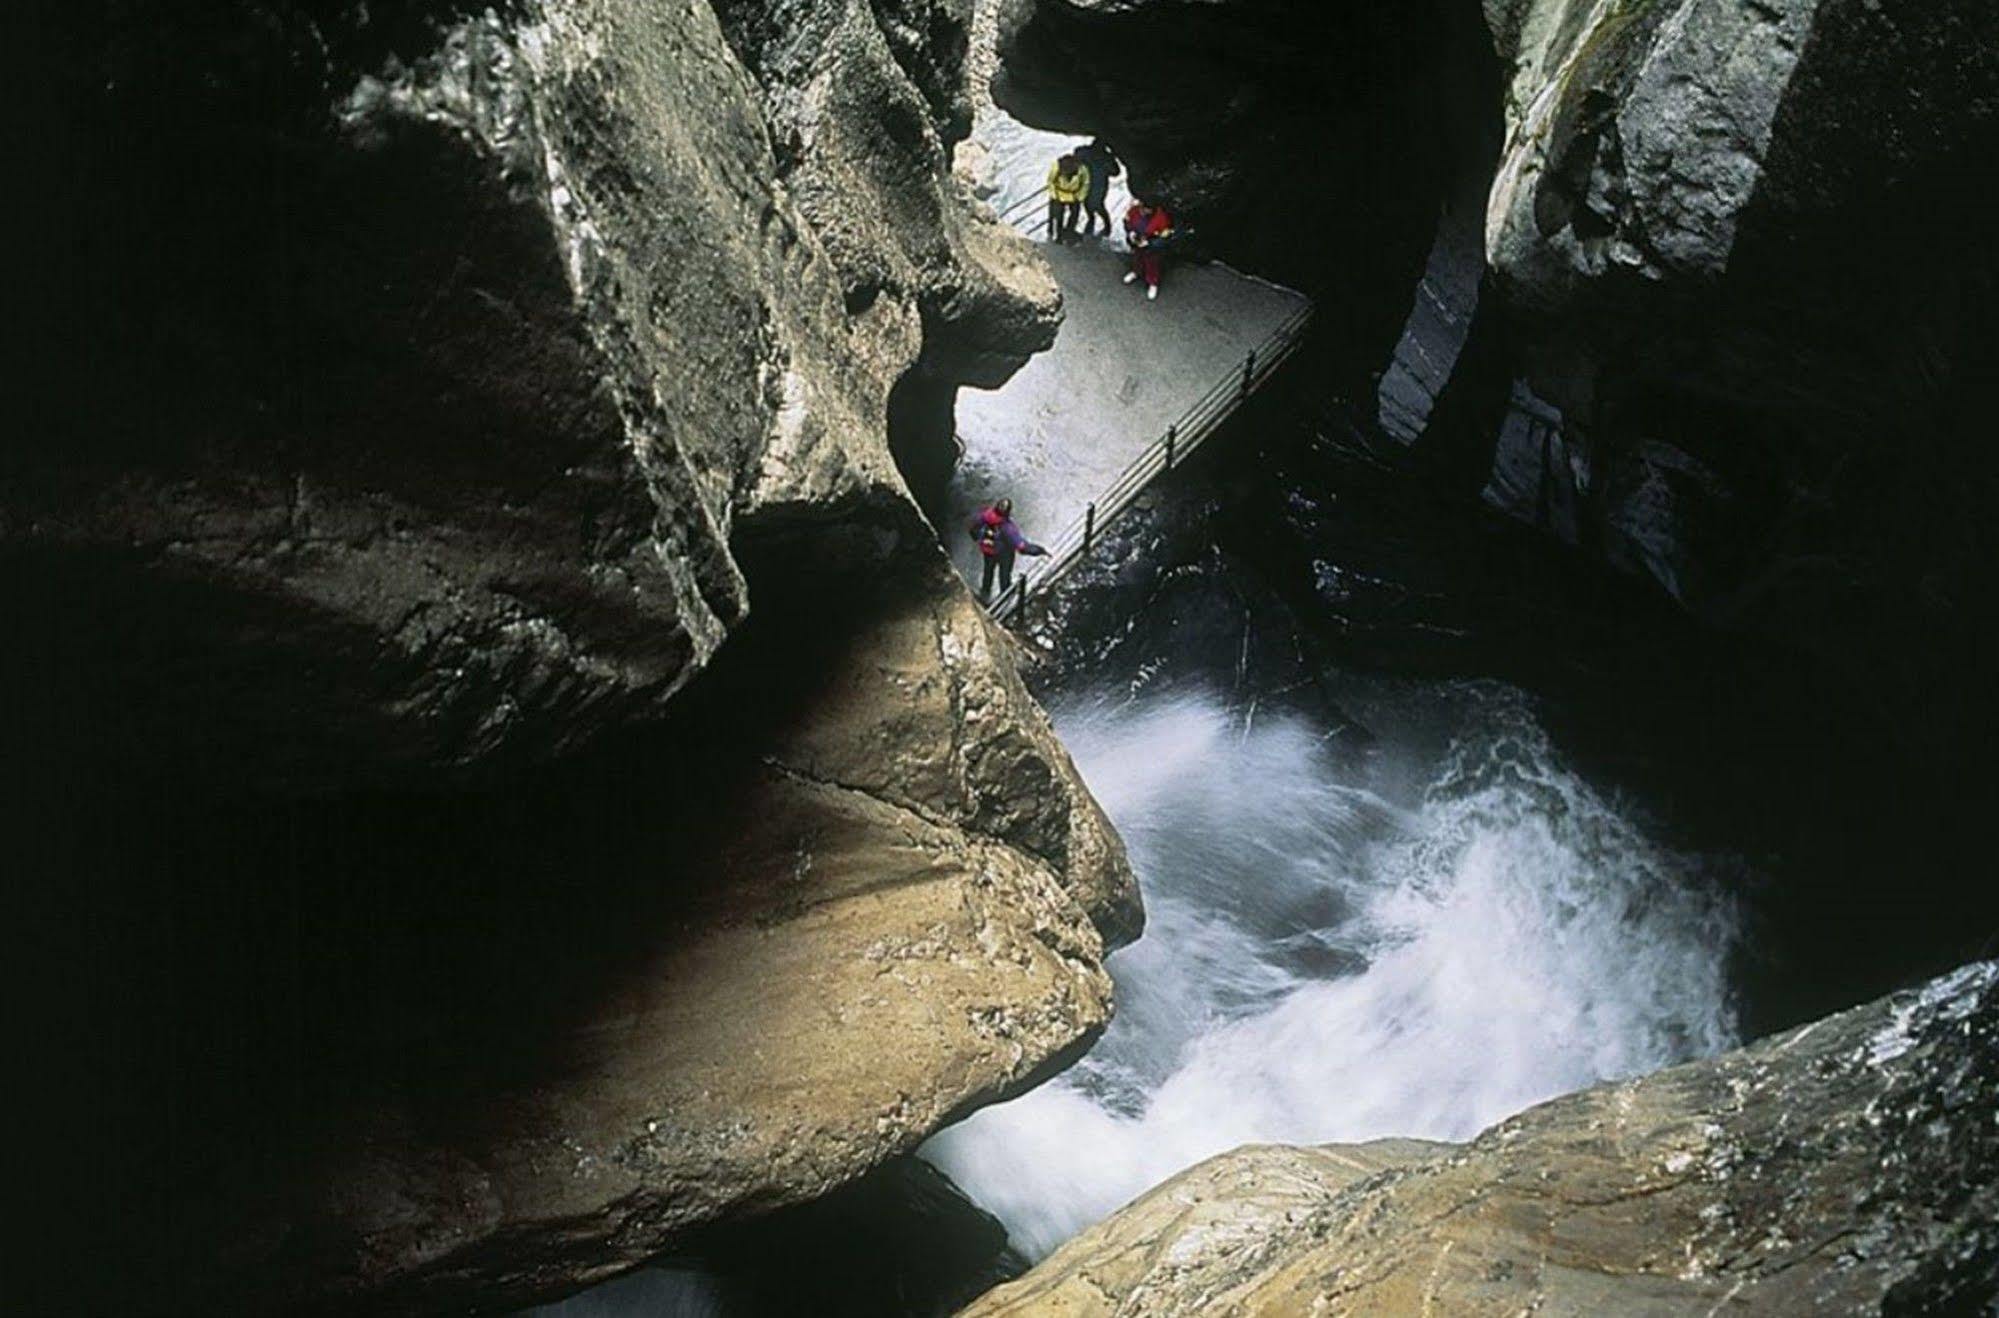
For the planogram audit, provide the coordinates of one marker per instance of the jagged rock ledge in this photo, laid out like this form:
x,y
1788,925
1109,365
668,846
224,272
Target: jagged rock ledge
x,y
1850,1166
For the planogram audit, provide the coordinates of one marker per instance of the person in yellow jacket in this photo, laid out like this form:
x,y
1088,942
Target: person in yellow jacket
x,y
1068,184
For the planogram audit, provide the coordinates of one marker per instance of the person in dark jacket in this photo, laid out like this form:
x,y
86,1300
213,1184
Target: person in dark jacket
x,y
998,539
1104,166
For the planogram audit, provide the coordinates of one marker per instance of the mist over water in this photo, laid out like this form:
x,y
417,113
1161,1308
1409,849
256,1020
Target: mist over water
x,y
1322,965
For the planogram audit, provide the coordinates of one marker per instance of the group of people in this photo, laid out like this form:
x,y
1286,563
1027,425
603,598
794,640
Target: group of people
x,y
1079,188
1079,185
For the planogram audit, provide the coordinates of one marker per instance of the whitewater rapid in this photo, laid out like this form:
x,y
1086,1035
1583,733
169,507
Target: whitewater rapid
x,y
1322,965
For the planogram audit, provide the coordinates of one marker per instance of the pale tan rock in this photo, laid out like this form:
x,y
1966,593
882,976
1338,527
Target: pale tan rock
x,y
1850,1166
885,914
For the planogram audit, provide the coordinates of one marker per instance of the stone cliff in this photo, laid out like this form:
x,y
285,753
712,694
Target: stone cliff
x,y
1846,1167
1305,142
512,777
1734,251
1702,291
457,354
1707,290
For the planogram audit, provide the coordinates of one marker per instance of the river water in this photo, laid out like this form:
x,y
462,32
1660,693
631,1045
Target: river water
x,y
1416,933
1417,947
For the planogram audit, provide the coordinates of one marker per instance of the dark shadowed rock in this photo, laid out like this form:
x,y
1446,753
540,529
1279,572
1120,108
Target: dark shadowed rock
x,y
1314,144
438,359
511,778
1749,299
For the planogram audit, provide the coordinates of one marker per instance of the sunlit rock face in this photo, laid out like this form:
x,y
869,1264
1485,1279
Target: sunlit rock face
x,y
563,798
1849,1166
866,101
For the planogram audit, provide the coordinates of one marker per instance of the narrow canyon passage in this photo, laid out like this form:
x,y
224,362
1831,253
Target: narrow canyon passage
x,y
1416,941
512,806
1389,892
1057,436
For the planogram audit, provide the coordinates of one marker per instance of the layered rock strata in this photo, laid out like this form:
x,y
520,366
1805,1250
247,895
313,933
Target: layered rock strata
x,y
1850,1166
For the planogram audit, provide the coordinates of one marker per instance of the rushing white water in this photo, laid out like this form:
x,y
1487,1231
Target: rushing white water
x,y
1323,966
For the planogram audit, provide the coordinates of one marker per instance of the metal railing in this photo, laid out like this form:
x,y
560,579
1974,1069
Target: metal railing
x,y
1027,214
1184,436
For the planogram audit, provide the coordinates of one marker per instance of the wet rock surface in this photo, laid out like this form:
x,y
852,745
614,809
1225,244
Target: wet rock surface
x,y
1847,1166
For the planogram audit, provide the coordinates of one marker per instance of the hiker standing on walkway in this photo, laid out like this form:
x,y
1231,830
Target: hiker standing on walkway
x,y
993,530
1146,229
1068,184
1103,165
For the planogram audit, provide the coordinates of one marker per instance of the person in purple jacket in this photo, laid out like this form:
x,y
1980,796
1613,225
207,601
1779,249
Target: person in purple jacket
x,y
993,530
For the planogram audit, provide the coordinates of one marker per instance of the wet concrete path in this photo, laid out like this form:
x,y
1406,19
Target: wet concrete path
x,y
1122,370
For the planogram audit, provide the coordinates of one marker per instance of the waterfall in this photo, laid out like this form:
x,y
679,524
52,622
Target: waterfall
x,y
1323,964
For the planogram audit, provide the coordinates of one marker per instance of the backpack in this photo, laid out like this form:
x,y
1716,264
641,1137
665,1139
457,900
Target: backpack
x,y
987,536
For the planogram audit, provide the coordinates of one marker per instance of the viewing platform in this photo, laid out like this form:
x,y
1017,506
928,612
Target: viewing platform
x,y
1130,388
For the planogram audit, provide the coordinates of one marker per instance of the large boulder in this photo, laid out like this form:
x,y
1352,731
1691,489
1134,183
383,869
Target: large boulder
x,y
438,359
411,1054
511,777
878,908
1850,1166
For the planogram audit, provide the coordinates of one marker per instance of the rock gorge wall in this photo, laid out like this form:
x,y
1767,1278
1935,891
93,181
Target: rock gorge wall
x,y
505,775
1311,143
1845,1167
1745,277
470,351
1707,289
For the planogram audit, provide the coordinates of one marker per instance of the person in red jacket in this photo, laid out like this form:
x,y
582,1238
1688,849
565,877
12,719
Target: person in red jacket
x,y
999,540
1146,229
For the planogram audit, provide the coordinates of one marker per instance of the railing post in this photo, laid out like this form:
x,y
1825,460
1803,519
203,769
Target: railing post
x,y
1089,526
1248,372
1172,434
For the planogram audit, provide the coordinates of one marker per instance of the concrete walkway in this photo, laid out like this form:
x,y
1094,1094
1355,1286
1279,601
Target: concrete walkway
x,y
1123,369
